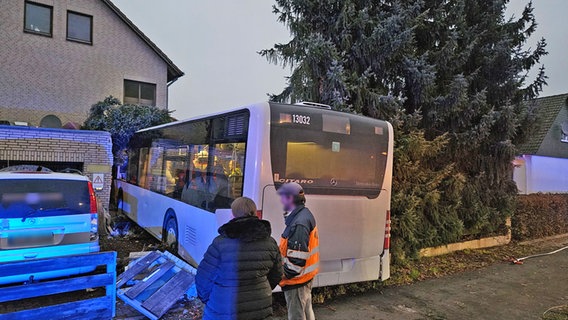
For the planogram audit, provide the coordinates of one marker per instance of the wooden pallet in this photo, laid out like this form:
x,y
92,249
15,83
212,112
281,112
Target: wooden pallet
x,y
95,308
154,283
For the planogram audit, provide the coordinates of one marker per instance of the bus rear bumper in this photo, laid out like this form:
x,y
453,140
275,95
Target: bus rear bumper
x,y
353,270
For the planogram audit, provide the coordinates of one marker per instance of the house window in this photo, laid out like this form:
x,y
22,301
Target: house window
x,y
140,93
38,18
564,132
50,121
79,27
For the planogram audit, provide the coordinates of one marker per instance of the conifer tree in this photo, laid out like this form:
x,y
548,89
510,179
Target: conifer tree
x,y
451,76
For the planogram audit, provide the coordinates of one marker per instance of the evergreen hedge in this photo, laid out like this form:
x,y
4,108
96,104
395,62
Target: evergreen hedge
x,y
540,215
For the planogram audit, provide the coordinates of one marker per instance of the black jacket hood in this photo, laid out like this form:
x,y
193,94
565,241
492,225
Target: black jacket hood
x,y
246,229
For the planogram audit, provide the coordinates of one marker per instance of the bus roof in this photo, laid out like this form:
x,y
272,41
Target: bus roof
x,y
204,116
250,106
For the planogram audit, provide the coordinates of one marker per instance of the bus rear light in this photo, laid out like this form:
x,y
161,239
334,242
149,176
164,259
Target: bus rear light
x,y
387,231
259,214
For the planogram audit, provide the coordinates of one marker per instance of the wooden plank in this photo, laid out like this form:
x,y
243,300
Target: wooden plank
x,y
136,305
111,288
162,300
97,308
53,264
137,268
142,285
54,287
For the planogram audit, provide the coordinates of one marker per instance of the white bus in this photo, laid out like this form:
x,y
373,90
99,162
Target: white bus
x,y
181,179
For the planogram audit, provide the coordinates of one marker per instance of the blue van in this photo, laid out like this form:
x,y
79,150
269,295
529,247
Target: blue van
x,y
45,215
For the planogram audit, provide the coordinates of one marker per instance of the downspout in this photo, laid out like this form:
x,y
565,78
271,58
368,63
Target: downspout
x,y
168,92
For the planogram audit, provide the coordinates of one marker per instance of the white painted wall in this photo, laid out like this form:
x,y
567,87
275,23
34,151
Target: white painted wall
x,y
535,174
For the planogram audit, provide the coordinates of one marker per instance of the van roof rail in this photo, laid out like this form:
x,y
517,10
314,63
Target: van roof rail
x,y
71,170
26,168
313,105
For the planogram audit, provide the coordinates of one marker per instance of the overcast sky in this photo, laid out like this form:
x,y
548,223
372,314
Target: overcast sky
x,y
215,43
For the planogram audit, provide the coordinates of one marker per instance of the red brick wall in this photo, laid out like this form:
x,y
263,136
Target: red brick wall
x,y
92,148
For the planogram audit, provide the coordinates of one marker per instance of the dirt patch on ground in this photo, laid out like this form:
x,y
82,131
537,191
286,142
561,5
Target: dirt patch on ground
x,y
135,240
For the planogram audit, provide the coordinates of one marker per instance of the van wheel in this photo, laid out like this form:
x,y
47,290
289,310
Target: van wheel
x,y
170,238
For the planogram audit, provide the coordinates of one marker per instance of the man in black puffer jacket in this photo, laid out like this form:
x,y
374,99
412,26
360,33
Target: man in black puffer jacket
x,y
240,269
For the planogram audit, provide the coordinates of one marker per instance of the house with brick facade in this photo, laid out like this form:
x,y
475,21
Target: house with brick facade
x,y
58,57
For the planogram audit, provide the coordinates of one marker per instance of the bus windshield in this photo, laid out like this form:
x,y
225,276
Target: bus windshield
x,y
328,152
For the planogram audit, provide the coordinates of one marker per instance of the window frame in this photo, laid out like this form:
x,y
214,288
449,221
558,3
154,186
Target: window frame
x,y
67,28
39,33
140,83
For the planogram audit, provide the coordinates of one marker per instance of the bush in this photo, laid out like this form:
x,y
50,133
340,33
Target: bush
x,y
540,215
426,196
122,121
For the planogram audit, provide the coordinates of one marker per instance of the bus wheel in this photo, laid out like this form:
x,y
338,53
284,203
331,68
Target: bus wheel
x,y
170,238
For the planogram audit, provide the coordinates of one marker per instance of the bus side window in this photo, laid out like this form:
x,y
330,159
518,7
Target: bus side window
x,y
155,175
175,166
225,173
235,179
132,169
196,191
143,164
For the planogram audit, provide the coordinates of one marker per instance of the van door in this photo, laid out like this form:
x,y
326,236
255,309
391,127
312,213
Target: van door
x,y
37,215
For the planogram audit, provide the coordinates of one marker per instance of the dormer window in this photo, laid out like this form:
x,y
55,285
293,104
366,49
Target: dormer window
x,y
564,133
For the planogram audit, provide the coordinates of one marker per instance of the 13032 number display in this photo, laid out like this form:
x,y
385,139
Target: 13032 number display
x,y
300,119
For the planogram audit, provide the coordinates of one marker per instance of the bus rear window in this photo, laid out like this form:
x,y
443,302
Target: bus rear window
x,y
331,153
21,198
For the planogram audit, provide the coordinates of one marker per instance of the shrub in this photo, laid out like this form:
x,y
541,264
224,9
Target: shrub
x,y
540,215
426,196
122,121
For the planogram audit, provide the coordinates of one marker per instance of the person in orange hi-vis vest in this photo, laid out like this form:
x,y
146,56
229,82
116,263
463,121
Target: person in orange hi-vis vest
x,y
299,247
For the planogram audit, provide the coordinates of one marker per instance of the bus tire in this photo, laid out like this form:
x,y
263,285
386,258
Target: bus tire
x,y
170,232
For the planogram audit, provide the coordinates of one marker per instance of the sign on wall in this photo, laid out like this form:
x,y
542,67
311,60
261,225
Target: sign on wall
x,y
98,181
